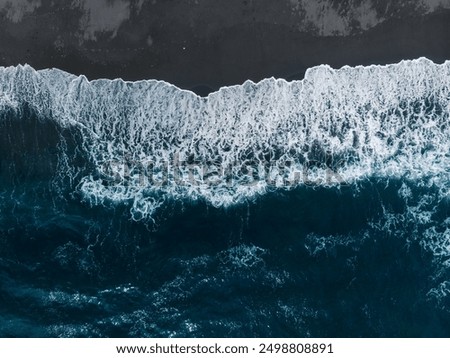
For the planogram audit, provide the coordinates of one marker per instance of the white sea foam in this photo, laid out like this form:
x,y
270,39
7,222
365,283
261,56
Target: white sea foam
x,y
332,127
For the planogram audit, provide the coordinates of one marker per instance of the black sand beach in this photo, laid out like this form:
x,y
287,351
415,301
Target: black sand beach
x,y
203,46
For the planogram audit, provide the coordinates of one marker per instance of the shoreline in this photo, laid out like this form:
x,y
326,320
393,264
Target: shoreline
x,y
213,92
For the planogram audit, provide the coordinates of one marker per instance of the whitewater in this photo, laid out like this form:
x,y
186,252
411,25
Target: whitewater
x,y
333,127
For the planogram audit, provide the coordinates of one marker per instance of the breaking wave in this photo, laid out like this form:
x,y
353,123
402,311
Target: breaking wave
x,y
144,142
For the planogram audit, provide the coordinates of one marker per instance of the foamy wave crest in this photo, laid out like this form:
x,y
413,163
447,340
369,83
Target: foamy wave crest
x,y
150,141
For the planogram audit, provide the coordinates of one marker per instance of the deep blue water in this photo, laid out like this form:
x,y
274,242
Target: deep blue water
x,y
367,256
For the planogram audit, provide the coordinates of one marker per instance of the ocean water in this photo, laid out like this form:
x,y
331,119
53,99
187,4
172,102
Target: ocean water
x,y
310,208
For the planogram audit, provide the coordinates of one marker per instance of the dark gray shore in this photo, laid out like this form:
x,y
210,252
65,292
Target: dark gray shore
x,y
202,45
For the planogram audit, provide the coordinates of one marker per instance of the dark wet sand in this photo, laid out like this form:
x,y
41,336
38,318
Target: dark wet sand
x,y
202,58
